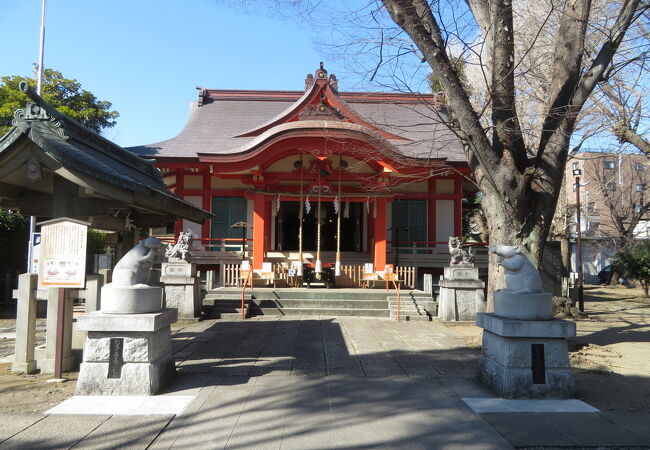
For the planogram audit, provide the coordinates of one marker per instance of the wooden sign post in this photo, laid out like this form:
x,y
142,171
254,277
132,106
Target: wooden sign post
x,y
62,264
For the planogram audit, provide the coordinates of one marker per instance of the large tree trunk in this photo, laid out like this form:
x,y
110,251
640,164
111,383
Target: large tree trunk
x,y
520,194
505,227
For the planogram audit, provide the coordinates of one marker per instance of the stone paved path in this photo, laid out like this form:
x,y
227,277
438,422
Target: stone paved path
x,y
323,346
319,382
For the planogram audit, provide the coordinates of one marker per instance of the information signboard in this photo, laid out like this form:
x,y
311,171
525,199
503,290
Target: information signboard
x,y
62,261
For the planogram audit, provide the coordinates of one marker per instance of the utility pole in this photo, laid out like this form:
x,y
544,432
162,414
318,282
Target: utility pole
x,y
581,303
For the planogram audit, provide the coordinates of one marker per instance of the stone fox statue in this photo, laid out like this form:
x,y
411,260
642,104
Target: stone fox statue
x,y
134,267
521,275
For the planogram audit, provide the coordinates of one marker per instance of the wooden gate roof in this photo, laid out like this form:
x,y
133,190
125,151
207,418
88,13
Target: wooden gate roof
x,y
45,145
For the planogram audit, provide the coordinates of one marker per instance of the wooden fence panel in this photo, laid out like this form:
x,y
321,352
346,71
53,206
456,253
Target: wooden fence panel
x,y
231,275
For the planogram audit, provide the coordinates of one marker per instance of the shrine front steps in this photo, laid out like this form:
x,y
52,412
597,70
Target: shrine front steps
x,y
226,305
414,305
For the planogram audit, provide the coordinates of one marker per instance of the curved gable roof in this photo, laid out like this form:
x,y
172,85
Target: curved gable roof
x,y
224,122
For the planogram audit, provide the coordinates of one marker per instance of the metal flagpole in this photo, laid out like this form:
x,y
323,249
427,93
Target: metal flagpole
x,y
39,77
39,86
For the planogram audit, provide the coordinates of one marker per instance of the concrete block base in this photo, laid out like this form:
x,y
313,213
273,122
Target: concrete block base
x,y
119,361
514,365
28,367
517,382
136,378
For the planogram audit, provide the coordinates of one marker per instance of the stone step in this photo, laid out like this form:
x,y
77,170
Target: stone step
x,y
366,294
430,307
321,303
226,315
225,296
227,311
322,312
321,294
408,311
417,298
411,318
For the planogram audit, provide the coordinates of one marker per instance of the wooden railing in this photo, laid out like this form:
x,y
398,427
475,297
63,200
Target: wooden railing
x,y
351,276
218,244
431,247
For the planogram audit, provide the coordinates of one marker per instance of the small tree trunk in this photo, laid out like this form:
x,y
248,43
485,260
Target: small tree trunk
x,y
565,255
561,218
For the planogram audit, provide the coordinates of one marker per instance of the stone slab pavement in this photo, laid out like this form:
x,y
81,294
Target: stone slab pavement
x,y
326,382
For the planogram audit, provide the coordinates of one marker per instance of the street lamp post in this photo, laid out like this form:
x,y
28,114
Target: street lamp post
x,y
581,303
242,225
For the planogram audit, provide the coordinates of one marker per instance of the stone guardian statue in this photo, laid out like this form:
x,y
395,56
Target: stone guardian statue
x,y
134,267
523,297
129,293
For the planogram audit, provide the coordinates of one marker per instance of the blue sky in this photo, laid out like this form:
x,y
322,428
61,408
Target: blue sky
x,y
147,56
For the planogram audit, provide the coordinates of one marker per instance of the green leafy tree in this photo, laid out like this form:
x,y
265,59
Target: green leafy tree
x,y
64,94
96,242
11,221
636,263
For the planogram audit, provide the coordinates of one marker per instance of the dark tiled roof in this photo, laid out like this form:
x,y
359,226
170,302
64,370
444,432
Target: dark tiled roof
x,y
92,157
212,128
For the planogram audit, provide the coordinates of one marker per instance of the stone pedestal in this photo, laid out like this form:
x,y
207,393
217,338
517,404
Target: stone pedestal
x,y
137,299
526,358
126,354
181,289
461,294
528,306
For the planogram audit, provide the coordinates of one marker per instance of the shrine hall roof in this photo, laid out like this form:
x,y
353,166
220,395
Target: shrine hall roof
x,y
221,122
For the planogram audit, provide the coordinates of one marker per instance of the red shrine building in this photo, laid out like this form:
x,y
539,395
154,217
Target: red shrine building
x,y
318,176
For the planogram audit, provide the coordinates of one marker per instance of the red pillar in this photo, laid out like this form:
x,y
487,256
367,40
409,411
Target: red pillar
x,y
180,186
458,206
259,219
268,204
207,185
380,234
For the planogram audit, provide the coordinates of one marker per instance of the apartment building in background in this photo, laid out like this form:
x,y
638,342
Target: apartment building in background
x,y
613,198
